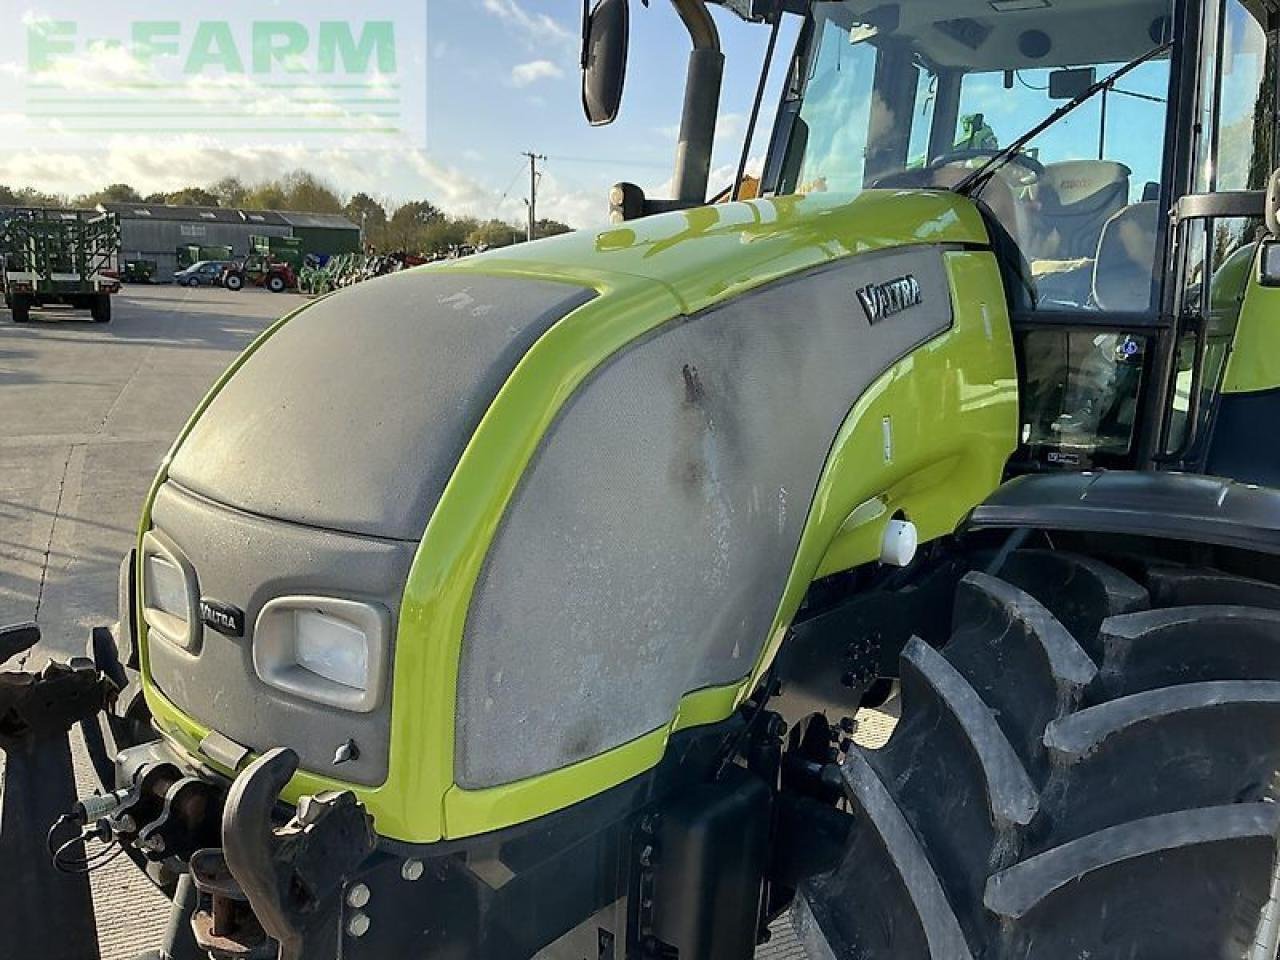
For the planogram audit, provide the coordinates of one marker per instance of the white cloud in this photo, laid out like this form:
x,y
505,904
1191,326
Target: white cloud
x,y
729,127
538,28
524,74
575,206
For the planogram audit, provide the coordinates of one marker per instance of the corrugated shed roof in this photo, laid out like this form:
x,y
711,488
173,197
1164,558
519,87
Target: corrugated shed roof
x,y
276,218
52,213
326,221
161,211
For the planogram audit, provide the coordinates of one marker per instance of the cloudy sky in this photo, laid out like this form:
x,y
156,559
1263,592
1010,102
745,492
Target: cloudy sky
x,y
476,83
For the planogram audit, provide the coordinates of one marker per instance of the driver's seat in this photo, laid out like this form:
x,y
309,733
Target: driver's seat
x,y
1076,199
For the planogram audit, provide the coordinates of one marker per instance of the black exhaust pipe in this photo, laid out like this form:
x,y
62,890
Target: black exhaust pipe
x,y
701,103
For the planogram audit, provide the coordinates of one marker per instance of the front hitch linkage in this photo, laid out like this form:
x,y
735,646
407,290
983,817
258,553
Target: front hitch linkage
x,y
279,882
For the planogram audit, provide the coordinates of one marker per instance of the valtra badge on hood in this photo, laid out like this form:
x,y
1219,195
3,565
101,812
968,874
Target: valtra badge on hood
x,y
228,620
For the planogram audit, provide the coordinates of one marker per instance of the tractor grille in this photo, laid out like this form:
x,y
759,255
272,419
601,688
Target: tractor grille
x,y
245,561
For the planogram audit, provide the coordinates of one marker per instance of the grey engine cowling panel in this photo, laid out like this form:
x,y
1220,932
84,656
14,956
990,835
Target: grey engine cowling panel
x,y
645,553
246,561
353,415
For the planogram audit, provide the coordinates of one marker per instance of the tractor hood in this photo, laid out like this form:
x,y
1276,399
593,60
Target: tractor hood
x,y
352,415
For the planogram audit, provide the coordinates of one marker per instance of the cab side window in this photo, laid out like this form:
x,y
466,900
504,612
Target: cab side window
x,y
1237,145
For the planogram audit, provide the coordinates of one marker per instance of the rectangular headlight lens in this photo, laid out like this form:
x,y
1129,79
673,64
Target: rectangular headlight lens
x,y
331,648
324,649
164,587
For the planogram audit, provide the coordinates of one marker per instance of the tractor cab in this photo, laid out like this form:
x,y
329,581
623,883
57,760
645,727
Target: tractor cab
x,y
1123,314
1119,151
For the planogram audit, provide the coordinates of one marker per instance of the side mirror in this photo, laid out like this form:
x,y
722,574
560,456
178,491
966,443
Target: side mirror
x,y
605,31
1069,84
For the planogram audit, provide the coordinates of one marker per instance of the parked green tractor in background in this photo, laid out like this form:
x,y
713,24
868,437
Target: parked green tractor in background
x,y
190,254
282,249
66,257
139,271
539,624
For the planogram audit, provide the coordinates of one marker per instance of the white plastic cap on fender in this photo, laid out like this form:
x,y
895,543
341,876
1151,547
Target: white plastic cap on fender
x,y
899,545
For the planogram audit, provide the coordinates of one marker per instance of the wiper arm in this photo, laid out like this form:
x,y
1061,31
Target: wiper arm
x,y
983,174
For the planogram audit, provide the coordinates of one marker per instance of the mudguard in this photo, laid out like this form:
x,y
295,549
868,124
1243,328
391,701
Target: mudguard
x,y
1167,506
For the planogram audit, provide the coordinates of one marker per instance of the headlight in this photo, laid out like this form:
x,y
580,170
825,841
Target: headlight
x,y
166,590
170,599
331,648
324,649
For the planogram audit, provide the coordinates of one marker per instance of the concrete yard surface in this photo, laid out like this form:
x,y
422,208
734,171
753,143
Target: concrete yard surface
x,y
90,410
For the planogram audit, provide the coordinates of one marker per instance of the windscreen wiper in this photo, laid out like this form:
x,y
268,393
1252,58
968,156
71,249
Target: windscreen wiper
x,y
980,177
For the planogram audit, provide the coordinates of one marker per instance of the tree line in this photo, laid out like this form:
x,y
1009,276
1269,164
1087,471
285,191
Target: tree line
x,y
416,227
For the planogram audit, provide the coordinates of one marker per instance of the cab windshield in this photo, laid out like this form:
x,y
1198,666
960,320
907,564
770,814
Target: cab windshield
x,y
919,94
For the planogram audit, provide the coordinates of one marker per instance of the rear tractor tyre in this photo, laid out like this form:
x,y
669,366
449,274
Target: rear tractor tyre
x,y
1076,774
234,282
276,284
100,308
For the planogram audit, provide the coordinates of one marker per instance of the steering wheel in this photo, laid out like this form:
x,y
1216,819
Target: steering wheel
x,y
1029,163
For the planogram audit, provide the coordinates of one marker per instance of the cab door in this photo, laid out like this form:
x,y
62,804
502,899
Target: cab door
x,y
1228,329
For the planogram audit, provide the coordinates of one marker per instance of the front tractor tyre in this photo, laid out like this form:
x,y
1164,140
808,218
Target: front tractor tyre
x,y
1088,768
234,282
276,283
100,308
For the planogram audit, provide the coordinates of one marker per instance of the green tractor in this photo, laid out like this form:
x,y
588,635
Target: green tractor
x,y
540,624
139,271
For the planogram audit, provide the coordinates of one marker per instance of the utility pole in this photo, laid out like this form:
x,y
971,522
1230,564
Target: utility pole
x,y
533,190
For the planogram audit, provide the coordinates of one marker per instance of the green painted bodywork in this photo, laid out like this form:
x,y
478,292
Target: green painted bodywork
x,y
951,407
1254,363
